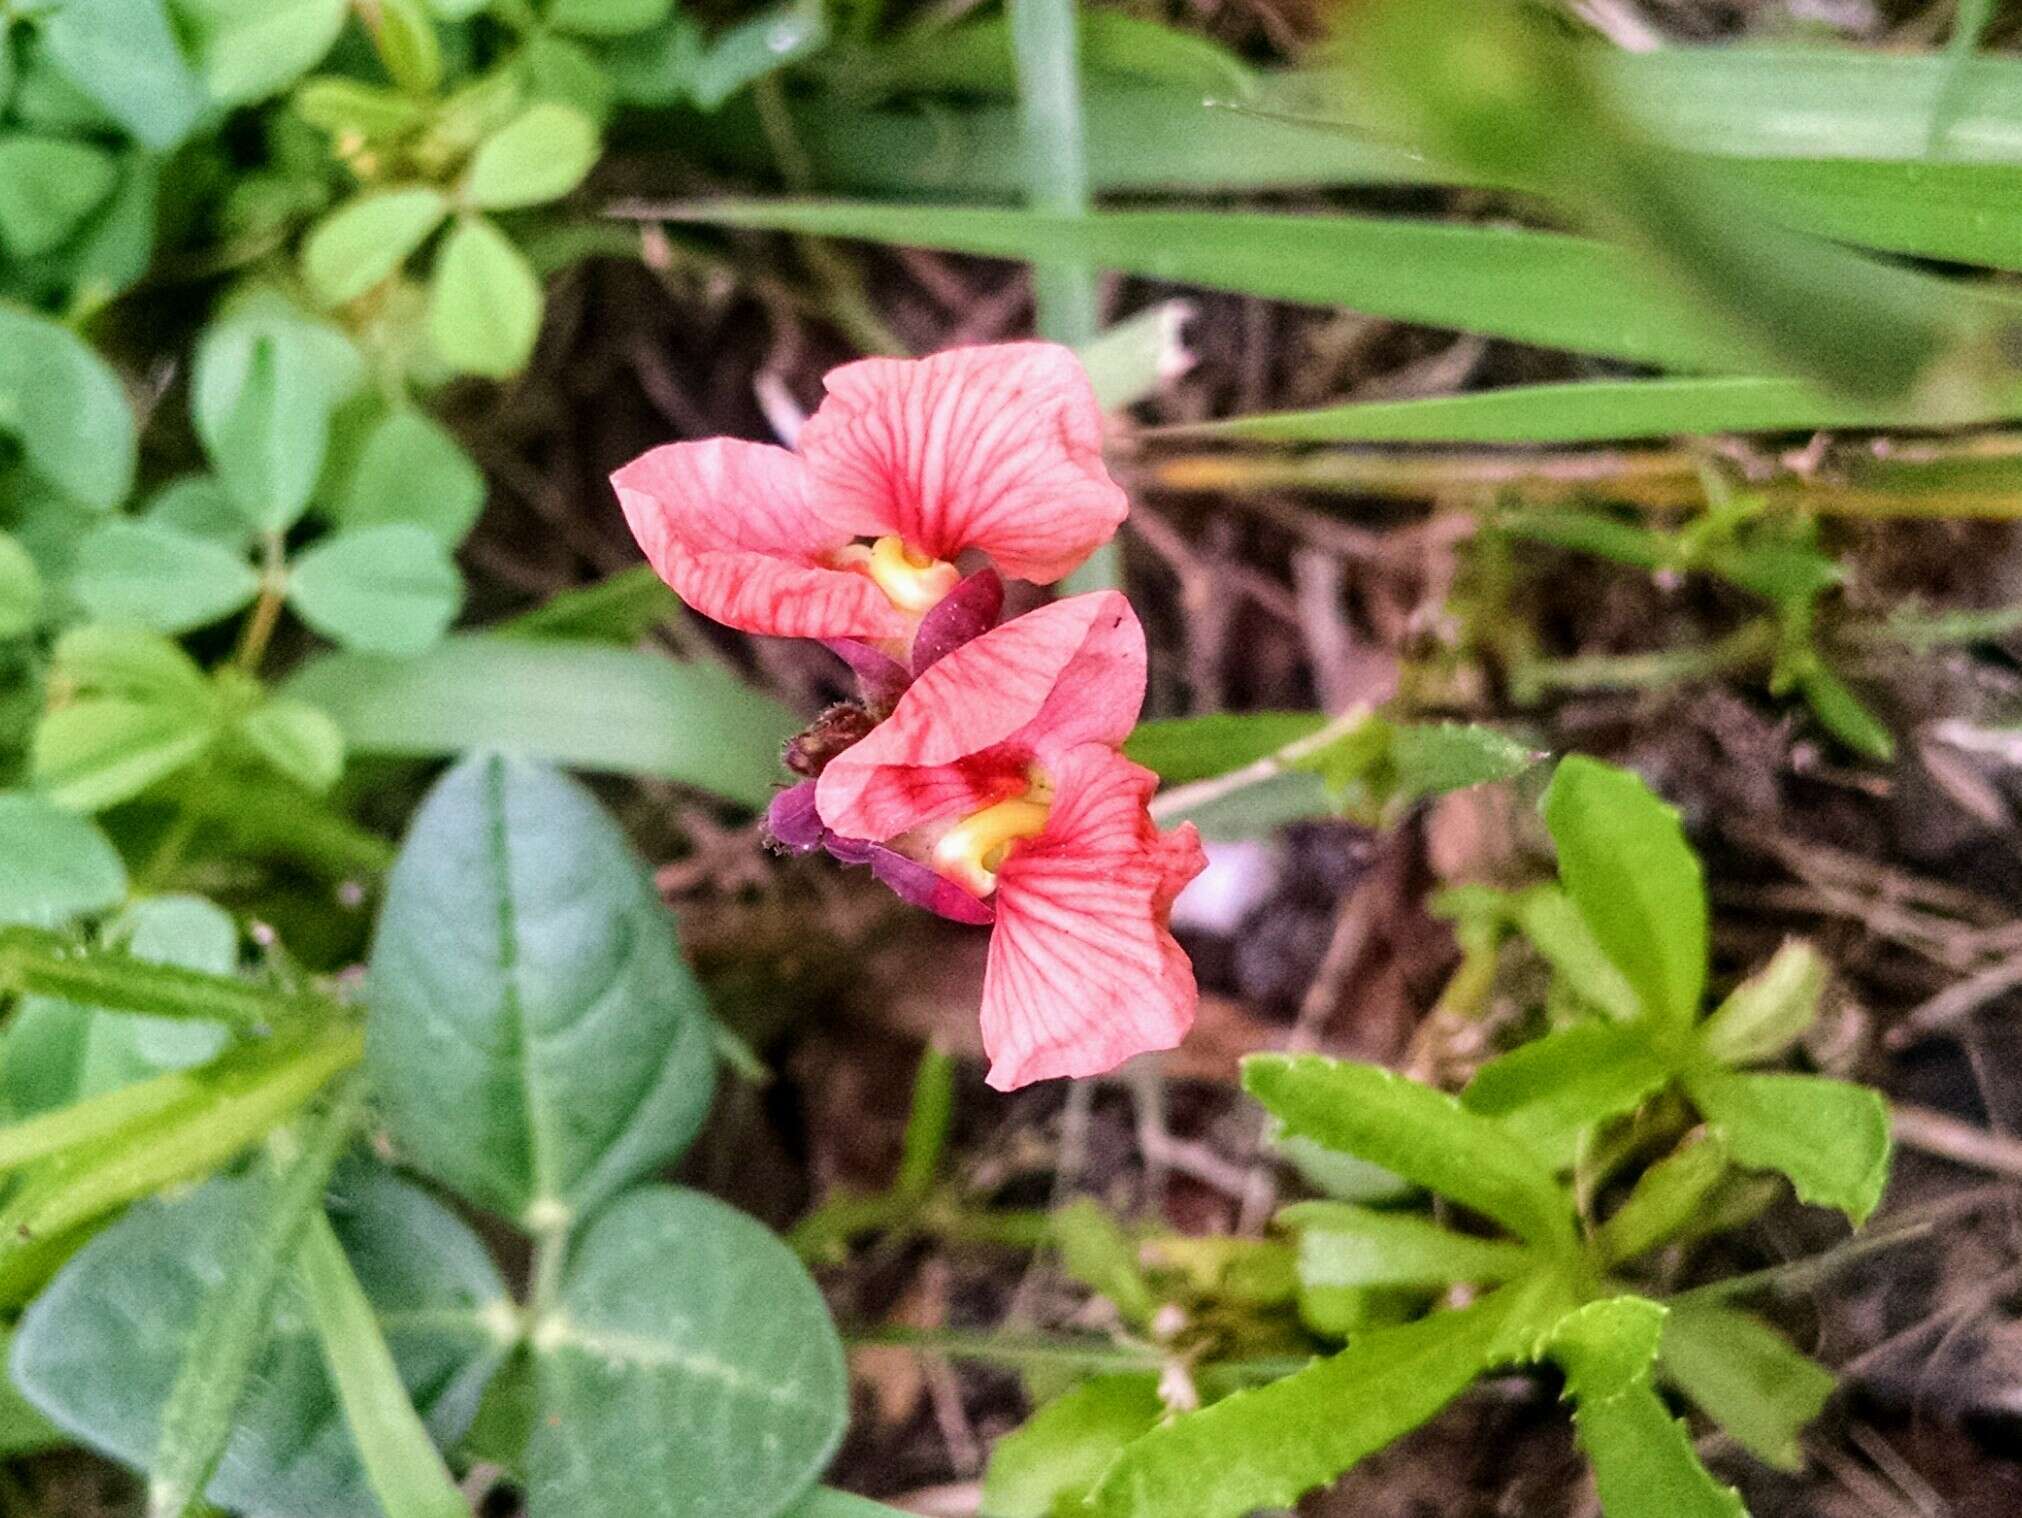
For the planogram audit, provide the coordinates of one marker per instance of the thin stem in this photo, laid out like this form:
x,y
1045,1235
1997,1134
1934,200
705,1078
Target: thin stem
x,y
266,612
1174,804
34,961
1751,644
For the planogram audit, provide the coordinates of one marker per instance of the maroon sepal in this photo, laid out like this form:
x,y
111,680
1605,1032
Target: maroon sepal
x,y
971,608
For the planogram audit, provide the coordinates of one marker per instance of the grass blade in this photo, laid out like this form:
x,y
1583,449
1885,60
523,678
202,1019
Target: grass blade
x,y
1546,288
401,1462
1579,412
231,1327
1044,49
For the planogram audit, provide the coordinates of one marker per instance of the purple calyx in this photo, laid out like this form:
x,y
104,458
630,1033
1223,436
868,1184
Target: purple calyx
x,y
968,610
795,827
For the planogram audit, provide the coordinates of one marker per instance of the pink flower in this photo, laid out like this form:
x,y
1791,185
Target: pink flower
x,y
995,793
906,465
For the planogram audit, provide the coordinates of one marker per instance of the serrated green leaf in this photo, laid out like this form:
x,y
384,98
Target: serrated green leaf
x,y
390,589
1265,1448
536,157
1341,1244
155,577
1626,865
1056,1456
265,384
1831,1138
1643,1460
689,1367
367,239
1416,1132
67,409
20,589
484,305
99,1349
1181,749
411,470
576,704
297,739
1549,1091
1766,1013
48,186
59,866
124,55
1745,1377
251,49
535,1039
1666,1200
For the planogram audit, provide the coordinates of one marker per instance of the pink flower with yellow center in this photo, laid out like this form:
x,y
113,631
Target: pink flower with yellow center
x,y
905,466
995,793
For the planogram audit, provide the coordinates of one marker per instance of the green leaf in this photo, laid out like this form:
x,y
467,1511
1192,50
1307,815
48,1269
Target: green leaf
x,y
1745,1377
128,661
1643,1460
1626,865
48,186
67,409
689,1367
158,578
1264,1448
196,506
367,238
1341,1244
1574,412
379,590
237,1100
411,470
406,41
23,1431
1433,758
484,307
1181,749
1095,1251
1052,1461
20,589
538,156
251,49
232,1319
59,866
1557,931
1766,1013
535,1040
1545,288
607,18
1551,1090
297,739
124,55
1831,1138
265,384
620,609
1419,1133
402,1465
760,45
576,704
139,709
1667,1198
1843,714
58,1051
98,1351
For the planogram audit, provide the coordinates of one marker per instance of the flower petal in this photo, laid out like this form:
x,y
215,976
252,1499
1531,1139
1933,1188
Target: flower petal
x,y
997,448
727,524
964,734
1083,972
